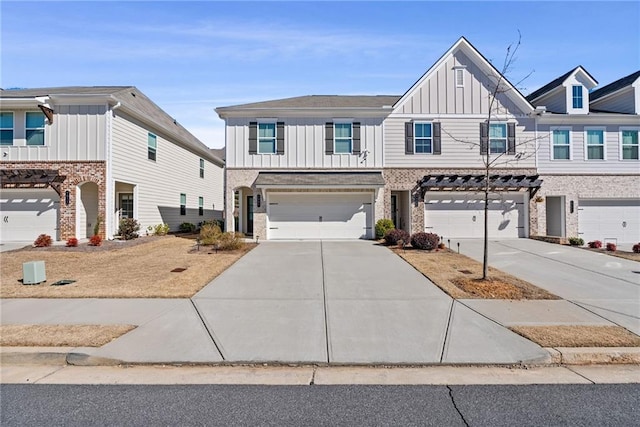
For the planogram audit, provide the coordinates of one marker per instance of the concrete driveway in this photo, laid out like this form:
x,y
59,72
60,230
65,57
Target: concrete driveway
x,y
345,302
602,284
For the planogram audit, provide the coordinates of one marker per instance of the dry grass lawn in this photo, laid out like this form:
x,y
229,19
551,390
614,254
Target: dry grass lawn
x,y
460,277
578,336
140,270
60,335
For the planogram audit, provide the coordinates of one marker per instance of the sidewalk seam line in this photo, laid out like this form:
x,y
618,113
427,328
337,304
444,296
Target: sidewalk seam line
x,y
49,374
446,332
599,315
207,329
324,303
579,374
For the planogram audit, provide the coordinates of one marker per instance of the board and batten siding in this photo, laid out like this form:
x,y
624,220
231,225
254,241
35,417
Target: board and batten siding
x,y
578,163
459,145
159,183
78,132
304,146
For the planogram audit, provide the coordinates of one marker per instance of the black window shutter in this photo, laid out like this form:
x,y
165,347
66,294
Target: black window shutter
x,y
511,138
253,138
355,149
328,138
484,137
437,144
408,138
280,138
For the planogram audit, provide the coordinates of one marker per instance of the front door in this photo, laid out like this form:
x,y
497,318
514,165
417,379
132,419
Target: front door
x,y
249,215
394,211
126,205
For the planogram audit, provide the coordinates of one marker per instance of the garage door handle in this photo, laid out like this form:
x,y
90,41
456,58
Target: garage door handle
x,y
624,224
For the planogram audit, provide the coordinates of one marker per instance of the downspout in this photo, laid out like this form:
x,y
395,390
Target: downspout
x,y
109,221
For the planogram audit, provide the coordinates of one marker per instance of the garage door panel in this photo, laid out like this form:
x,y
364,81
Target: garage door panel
x,y
25,214
616,220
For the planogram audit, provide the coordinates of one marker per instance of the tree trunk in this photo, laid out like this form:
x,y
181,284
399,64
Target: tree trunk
x,y
485,257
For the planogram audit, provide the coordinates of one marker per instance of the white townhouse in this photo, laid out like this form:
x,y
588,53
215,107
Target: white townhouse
x,y
564,160
588,158
74,157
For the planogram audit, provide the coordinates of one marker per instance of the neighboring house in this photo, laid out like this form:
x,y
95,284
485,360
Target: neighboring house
x,y
74,157
588,158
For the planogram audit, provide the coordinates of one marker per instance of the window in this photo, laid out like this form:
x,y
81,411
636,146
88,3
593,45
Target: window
x,y
200,206
595,144
459,72
6,128
266,138
34,129
577,96
126,205
201,168
629,144
561,144
342,138
497,138
423,137
152,147
183,204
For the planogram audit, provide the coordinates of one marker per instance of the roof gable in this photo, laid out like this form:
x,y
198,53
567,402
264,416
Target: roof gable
x,y
579,70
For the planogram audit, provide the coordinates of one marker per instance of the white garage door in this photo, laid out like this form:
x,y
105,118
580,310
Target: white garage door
x,y
615,221
25,214
461,215
319,216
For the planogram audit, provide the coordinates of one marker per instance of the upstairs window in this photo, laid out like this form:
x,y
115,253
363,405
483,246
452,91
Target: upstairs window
x,y
423,138
6,128
595,144
577,96
266,138
183,204
561,144
200,206
497,138
201,168
343,138
459,73
152,146
34,128
630,144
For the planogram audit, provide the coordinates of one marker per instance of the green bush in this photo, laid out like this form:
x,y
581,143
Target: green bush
x,y
382,226
576,241
161,229
128,228
187,227
209,234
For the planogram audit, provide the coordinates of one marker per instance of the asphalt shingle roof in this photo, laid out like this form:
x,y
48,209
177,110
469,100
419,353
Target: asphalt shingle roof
x,y
322,101
614,86
320,179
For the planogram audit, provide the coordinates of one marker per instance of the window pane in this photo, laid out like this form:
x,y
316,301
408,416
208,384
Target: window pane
x,y
630,152
151,141
343,146
267,146
267,130
35,137
342,130
183,199
497,146
497,131
423,145
423,130
6,137
595,152
6,120
561,137
630,137
595,137
35,120
561,152
577,96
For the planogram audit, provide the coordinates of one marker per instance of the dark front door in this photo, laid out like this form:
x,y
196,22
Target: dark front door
x,y
394,210
249,215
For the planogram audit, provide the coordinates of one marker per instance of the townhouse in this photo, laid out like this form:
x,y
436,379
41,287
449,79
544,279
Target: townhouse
x,y
73,159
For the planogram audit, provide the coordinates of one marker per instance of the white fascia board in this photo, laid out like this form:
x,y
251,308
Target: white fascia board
x,y
588,119
20,103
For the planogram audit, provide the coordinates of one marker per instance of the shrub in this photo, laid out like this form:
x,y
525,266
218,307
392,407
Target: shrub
x,y
95,240
72,242
425,241
596,244
442,246
217,222
636,248
383,226
394,236
128,228
576,241
161,229
209,234
611,247
230,241
96,228
43,241
187,227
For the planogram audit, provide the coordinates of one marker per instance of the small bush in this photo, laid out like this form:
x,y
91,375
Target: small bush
x,y
394,236
161,229
96,228
382,226
209,234
611,247
128,228
187,227
217,222
442,246
228,241
636,248
95,240
425,241
596,244
43,241
576,241
72,242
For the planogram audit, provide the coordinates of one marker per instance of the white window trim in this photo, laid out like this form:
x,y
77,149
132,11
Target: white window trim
x,y
581,96
415,151
44,136
459,70
506,138
604,143
13,127
156,147
551,145
623,128
201,164
342,122
268,121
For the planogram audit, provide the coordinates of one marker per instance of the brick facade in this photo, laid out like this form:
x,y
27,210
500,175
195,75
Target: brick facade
x,y
76,172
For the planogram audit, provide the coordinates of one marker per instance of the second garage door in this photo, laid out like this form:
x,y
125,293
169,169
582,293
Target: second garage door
x,y
461,215
25,214
616,221
320,216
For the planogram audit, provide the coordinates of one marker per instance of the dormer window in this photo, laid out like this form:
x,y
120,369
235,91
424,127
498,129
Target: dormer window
x,y
576,92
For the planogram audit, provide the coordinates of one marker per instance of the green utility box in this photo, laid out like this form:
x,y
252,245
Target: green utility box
x,y
33,273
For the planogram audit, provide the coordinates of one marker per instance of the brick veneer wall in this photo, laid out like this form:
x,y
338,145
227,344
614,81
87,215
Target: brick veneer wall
x,y
76,173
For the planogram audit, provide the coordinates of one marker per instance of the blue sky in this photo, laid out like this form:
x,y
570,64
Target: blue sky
x,y
191,57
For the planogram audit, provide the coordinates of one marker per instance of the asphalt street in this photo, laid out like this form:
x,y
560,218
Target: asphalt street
x,y
136,405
